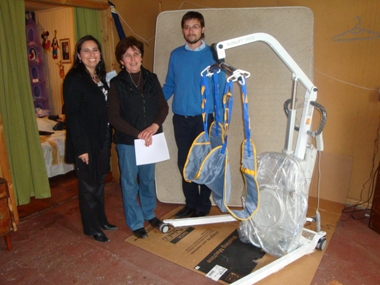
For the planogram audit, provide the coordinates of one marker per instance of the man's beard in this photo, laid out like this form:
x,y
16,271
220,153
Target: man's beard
x,y
194,41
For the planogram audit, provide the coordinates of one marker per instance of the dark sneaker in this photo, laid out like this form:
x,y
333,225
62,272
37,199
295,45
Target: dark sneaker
x,y
185,212
154,222
140,233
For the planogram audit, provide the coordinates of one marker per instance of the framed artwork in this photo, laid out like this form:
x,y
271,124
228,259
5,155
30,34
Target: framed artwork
x,y
64,45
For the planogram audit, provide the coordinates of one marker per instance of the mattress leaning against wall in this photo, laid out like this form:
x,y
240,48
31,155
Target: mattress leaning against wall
x,y
268,87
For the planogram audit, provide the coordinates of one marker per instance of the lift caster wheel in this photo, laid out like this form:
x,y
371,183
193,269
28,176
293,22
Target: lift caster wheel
x,y
164,228
321,243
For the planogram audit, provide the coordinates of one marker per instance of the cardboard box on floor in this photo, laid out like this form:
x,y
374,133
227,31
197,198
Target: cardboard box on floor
x,y
206,249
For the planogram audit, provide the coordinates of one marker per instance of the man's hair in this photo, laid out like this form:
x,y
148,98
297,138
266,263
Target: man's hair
x,y
193,15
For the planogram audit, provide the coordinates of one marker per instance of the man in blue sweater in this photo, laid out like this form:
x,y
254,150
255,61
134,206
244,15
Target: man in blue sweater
x,y
183,80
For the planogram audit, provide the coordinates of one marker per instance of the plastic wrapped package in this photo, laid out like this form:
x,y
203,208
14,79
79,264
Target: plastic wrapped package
x,y
281,213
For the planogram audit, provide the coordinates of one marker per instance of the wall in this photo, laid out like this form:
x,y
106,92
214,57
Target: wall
x,y
62,21
345,72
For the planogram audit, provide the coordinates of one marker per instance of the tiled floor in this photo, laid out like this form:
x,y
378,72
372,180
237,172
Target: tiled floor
x,y
63,189
49,248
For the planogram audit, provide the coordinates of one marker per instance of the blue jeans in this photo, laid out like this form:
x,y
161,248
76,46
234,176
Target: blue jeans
x,y
136,181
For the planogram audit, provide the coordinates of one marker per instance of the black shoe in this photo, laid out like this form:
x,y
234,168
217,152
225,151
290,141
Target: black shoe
x,y
140,233
154,222
101,237
109,227
199,214
184,212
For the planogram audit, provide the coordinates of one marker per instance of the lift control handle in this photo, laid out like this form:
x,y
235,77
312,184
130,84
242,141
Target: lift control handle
x,y
322,122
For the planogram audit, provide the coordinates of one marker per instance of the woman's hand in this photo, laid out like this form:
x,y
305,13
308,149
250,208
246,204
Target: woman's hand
x,y
148,133
84,158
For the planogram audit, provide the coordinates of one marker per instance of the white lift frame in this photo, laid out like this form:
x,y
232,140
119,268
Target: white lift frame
x,y
309,240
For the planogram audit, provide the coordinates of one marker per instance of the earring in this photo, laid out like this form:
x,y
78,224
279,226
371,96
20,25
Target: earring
x,y
80,61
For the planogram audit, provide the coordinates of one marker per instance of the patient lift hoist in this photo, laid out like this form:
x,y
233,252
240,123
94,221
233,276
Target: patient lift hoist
x,y
306,153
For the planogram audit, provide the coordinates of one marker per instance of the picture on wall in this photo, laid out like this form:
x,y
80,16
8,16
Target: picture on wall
x,y
65,50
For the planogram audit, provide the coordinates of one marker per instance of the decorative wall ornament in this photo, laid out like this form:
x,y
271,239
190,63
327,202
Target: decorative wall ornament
x,y
55,46
64,45
61,69
45,41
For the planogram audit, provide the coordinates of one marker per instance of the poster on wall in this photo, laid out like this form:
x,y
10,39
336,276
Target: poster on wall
x,y
65,50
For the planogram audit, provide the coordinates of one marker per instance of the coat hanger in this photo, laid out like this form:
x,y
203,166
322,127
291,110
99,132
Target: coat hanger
x,y
356,34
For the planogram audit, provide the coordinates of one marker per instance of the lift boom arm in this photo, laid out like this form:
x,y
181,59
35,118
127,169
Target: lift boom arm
x,y
298,75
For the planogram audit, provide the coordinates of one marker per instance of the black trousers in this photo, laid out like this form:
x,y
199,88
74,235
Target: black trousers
x,y
91,179
91,202
186,129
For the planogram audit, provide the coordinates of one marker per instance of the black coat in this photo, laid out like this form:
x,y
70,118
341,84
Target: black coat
x,y
130,112
86,116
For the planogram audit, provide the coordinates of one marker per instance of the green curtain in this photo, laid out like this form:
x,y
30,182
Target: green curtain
x,y
16,107
87,22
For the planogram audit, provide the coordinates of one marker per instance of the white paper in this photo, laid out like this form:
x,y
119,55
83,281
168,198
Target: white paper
x,y
156,152
216,272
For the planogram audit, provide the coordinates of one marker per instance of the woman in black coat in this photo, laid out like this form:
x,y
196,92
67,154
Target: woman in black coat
x,y
88,137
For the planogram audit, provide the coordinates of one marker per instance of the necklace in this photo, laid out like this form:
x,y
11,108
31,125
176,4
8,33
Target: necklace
x,y
95,78
138,82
